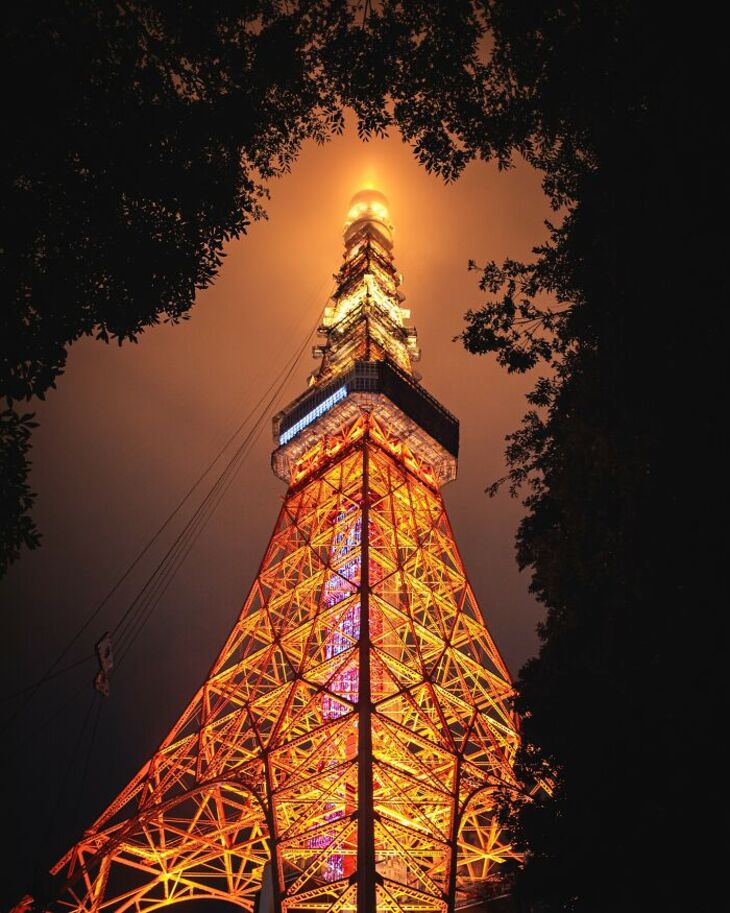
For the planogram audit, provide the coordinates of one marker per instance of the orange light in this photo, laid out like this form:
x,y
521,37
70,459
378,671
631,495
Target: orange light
x,y
357,724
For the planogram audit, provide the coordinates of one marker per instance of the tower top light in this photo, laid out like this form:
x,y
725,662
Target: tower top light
x,y
369,207
366,363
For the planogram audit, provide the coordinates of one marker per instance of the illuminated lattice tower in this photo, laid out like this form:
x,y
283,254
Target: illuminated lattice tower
x,y
346,748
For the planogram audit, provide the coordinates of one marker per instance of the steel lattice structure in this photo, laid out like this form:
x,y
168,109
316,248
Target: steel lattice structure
x,y
349,740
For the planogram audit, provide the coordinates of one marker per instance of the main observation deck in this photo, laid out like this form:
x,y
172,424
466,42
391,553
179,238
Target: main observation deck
x,y
366,361
420,421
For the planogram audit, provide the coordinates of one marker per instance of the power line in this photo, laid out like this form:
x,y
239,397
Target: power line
x,y
47,678
165,571
63,786
170,564
21,743
120,624
87,760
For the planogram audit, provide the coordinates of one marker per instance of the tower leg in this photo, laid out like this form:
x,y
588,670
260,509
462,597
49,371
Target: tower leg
x,y
366,814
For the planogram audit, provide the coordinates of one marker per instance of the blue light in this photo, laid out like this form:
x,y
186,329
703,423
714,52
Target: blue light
x,y
313,415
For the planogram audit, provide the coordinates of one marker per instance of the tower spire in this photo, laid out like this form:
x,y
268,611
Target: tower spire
x,y
366,320
345,752
367,357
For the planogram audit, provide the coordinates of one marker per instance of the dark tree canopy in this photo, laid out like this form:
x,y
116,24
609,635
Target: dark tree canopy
x,y
141,134
612,105
138,137
142,137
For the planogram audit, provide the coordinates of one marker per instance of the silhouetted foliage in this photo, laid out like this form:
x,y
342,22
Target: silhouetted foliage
x,y
138,140
140,137
605,99
15,495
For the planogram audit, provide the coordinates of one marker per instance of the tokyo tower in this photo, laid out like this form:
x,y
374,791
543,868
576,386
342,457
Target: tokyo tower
x,y
346,749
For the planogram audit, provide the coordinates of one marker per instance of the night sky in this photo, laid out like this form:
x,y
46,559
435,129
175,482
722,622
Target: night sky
x,y
129,429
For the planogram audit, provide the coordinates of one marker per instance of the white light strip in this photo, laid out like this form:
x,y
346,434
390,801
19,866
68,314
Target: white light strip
x,y
312,416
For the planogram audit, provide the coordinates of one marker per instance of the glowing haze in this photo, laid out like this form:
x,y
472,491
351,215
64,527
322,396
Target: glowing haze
x,y
129,430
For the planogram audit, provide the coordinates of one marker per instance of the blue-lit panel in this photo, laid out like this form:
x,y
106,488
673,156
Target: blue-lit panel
x,y
312,416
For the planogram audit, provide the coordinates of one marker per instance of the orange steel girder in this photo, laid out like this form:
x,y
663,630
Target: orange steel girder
x,y
353,732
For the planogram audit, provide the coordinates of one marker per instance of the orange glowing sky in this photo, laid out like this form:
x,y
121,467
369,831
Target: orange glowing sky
x,y
129,429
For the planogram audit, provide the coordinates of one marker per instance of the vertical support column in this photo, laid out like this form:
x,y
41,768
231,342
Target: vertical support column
x,y
277,886
454,839
366,874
